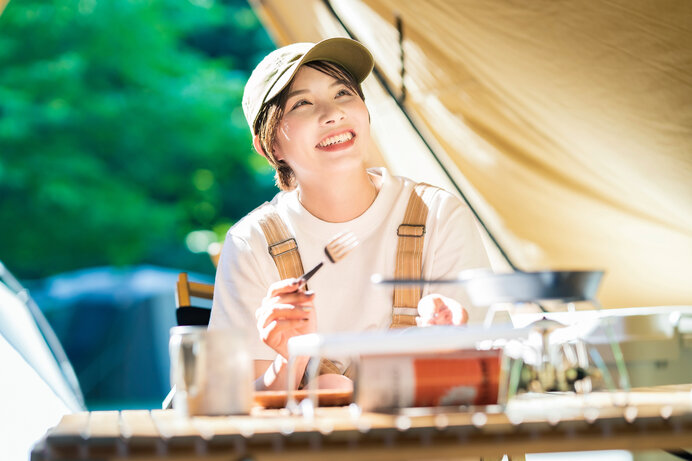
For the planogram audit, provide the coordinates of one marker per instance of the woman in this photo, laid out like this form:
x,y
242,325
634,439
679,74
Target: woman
x,y
307,114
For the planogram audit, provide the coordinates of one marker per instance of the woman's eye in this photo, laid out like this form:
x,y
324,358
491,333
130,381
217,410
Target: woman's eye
x,y
343,92
302,102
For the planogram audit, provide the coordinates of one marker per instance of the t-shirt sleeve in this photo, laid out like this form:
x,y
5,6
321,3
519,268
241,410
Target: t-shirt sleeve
x,y
241,284
456,246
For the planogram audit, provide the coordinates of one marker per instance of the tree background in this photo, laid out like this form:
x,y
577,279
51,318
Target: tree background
x,y
122,138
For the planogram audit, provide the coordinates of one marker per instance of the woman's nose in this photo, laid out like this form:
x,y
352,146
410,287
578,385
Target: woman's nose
x,y
331,113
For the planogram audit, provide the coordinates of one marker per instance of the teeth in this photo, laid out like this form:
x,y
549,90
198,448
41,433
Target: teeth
x,y
343,137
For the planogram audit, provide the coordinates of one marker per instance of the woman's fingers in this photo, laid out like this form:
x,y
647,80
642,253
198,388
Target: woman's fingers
x,y
283,286
281,312
439,304
463,317
443,317
287,292
277,327
297,299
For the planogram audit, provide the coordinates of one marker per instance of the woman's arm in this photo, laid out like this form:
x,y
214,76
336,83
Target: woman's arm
x,y
273,374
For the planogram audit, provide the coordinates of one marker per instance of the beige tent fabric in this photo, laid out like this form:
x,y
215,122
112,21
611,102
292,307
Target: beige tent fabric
x,y
567,124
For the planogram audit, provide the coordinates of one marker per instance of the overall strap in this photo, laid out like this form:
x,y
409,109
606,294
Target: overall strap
x,y
282,245
409,256
283,249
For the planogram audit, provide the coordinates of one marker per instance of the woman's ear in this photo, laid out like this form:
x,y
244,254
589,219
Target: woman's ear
x,y
258,145
260,150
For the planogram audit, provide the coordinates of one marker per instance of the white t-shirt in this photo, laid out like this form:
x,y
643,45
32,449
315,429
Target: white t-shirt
x,y
345,298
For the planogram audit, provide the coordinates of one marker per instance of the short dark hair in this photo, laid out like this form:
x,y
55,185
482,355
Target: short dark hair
x,y
272,112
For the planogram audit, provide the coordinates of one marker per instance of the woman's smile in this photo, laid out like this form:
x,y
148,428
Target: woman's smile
x,y
341,140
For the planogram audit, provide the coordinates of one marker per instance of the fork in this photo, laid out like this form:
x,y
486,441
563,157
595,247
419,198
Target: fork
x,y
338,247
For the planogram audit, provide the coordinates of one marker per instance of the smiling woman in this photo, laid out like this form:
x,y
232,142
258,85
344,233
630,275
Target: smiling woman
x,y
308,118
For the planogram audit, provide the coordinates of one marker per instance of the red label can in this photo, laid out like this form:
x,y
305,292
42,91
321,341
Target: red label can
x,y
454,378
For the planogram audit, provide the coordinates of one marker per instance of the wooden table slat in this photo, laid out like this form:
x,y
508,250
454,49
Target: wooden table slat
x,y
71,425
171,424
137,424
104,424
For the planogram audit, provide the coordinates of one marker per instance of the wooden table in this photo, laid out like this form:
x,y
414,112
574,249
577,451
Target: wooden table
x,y
642,420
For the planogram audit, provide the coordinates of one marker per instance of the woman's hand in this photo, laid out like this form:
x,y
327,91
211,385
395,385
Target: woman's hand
x,y
286,311
436,309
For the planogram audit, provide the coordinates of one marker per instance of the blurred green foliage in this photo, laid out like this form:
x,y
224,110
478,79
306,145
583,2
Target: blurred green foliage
x,y
121,130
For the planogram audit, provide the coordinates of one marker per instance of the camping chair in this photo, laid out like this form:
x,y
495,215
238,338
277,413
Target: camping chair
x,y
185,312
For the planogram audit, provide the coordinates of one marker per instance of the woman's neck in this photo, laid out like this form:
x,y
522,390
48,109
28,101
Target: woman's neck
x,y
340,198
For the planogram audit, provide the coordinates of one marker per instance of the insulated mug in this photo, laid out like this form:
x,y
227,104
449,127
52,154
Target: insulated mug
x,y
211,371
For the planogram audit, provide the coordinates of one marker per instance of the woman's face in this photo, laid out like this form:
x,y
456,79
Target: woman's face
x,y
325,127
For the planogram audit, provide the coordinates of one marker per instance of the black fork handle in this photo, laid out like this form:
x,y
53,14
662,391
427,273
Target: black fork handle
x,y
308,275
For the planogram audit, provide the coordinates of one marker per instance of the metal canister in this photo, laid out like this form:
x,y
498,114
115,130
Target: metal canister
x,y
211,371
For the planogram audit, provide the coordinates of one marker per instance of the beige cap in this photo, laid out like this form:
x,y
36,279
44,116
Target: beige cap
x,y
277,69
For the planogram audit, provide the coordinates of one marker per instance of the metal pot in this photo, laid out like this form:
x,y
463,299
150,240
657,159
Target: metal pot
x,y
486,288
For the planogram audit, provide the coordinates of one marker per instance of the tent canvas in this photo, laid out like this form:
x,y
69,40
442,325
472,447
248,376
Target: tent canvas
x,y
38,385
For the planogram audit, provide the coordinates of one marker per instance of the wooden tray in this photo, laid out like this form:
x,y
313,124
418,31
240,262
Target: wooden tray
x,y
325,397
